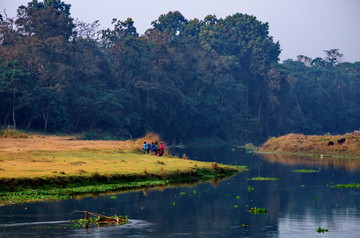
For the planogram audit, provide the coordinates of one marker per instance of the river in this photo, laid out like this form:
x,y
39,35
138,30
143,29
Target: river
x,y
297,203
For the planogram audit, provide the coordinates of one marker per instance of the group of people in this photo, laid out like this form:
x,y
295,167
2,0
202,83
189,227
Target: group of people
x,y
154,148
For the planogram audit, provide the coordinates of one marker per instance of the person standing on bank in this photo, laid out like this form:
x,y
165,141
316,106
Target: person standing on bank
x,y
156,150
145,147
161,149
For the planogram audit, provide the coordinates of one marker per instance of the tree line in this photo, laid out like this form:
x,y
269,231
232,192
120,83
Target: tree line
x,y
184,79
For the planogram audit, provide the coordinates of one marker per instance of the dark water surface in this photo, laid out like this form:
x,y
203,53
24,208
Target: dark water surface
x,y
297,204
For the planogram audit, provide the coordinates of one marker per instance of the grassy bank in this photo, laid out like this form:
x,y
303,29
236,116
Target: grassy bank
x,y
55,167
314,145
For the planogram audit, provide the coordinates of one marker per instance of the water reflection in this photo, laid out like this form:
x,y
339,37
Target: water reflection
x,y
348,164
160,188
298,203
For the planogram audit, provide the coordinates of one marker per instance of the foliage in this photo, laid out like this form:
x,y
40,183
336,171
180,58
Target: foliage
x,y
12,133
184,79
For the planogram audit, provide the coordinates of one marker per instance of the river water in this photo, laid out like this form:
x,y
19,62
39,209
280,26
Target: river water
x,y
297,203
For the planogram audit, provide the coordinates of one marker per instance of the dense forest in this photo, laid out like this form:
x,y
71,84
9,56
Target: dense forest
x,y
184,79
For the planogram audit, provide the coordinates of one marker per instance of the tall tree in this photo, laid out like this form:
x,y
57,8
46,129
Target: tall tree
x,y
16,88
50,18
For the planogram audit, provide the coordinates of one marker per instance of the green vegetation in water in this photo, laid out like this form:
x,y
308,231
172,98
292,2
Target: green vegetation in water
x,y
306,171
250,188
32,195
61,188
257,210
351,185
262,179
321,230
99,220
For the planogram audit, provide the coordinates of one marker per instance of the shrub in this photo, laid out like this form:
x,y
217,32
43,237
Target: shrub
x,y
12,133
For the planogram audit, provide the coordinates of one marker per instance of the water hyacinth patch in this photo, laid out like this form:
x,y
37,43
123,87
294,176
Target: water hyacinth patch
x,y
250,188
321,230
351,185
257,210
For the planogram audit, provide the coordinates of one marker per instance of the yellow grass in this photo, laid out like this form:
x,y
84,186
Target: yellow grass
x,y
314,144
47,156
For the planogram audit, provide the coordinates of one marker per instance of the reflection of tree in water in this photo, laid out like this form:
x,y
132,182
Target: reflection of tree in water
x,y
348,164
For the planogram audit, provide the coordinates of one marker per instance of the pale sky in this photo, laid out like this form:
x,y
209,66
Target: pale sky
x,y
304,27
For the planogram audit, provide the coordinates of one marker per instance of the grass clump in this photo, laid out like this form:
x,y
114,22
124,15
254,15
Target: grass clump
x,y
12,133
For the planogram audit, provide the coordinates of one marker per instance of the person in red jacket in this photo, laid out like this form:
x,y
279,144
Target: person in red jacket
x,y
161,149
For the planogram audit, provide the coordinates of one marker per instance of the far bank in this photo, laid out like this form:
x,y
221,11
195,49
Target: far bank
x,y
347,145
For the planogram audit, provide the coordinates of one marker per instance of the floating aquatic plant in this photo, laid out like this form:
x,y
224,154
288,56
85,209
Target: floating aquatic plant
x,y
257,210
250,188
350,185
306,171
321,230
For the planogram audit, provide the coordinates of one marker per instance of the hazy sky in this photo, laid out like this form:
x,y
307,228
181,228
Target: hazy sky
x,y
304,27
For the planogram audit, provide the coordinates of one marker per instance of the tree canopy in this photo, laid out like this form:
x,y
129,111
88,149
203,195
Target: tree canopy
x,y
184,78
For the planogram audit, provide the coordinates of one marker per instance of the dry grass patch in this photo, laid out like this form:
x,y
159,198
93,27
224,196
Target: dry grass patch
x,y
47,156
314,144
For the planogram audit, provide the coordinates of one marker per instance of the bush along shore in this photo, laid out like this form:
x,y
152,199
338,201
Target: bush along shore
x,y
347,145
38,167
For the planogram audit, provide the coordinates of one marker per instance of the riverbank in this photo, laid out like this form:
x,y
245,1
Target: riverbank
x,y
56,167
347,145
